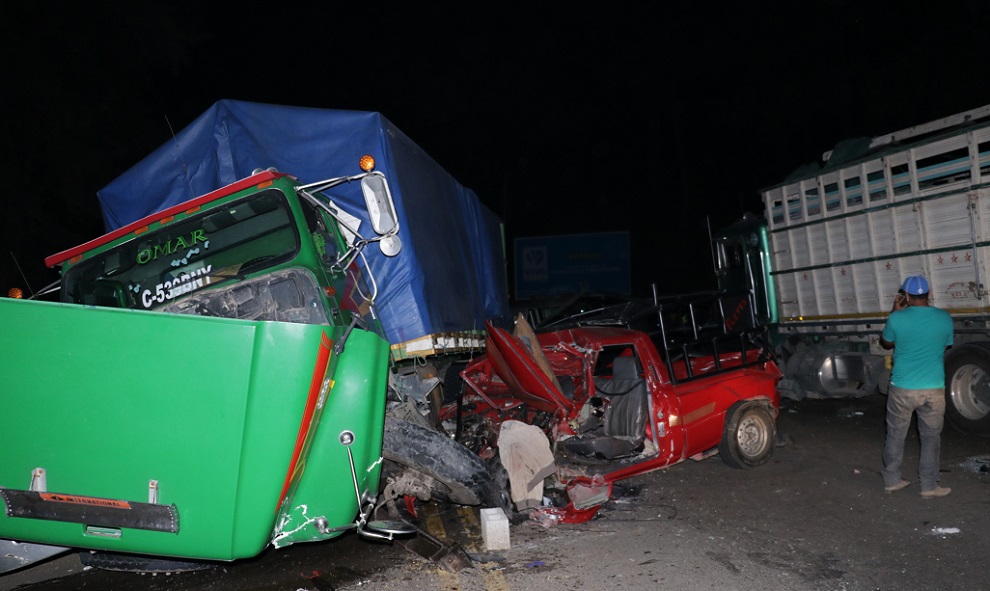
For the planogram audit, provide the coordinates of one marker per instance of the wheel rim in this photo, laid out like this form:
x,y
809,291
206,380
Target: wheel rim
x,y
751,436
970,392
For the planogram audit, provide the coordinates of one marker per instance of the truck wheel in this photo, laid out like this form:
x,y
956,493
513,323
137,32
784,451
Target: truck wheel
x,y
135,563
967,392
452,472
748,438
501,495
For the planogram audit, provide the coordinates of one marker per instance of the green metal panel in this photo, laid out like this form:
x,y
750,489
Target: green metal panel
x,y
355,403
767,289
106,400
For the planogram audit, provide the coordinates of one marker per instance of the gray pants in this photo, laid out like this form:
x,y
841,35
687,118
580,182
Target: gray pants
x,y
930,408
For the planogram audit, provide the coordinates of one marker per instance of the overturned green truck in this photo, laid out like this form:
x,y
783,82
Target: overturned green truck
x,y
214,378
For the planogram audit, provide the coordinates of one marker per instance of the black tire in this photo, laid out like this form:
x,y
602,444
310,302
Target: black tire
x,y
749,436
136,563
967,388
501,495
456,474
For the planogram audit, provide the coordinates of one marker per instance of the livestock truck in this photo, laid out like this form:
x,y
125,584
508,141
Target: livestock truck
x,y
215,376
839,237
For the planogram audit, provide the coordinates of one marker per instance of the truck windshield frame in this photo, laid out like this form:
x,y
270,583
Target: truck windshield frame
x,y
222,243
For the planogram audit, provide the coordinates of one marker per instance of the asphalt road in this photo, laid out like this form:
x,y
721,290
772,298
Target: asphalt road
x,y
815,518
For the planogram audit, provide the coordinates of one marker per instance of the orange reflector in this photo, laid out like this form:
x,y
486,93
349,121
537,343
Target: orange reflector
x,y
367,163
167,220
75,259
141,230
16,293
192,210
265,184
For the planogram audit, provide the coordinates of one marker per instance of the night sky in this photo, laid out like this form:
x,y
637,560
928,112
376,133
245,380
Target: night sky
x,y
563,120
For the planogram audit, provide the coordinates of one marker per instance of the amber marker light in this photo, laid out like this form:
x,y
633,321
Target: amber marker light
x,y
16,293
367,163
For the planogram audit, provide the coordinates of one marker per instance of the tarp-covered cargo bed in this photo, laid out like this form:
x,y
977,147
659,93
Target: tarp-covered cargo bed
x,y
450,274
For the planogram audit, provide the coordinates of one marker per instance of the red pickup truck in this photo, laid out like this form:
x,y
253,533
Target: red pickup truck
x,y
615,402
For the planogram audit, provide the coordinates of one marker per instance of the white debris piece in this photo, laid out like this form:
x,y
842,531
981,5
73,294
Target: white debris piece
x,y
941,531
495,529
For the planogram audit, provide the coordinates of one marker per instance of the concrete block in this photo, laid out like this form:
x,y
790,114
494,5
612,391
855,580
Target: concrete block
x,y
495,529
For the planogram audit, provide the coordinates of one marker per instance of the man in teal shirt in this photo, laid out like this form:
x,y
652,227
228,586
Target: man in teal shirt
x,y
919,334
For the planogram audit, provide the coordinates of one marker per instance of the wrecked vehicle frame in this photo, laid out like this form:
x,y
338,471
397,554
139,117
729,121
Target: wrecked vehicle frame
x,y
615,402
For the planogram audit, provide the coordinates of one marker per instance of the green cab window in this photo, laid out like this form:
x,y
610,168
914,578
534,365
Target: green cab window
x,y
201,251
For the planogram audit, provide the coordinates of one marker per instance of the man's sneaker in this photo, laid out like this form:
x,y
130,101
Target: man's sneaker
x,y
938,491
896,487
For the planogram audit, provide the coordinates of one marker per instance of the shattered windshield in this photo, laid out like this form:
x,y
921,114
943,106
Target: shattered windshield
x,y
222,243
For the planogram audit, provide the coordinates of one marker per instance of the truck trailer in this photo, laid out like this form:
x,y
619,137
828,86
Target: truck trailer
x,y
838,238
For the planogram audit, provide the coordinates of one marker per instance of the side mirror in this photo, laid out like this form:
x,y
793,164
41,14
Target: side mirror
x,y
378,200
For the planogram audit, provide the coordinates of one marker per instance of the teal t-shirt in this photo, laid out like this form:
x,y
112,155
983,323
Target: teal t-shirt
x,y
920,335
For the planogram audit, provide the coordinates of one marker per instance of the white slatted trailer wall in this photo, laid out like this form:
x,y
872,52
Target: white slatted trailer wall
x,y
844,240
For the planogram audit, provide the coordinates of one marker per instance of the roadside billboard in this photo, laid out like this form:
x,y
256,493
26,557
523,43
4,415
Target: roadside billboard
x,y
572,263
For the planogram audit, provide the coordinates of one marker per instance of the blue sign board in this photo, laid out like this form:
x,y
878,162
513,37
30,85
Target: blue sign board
x,y
570,264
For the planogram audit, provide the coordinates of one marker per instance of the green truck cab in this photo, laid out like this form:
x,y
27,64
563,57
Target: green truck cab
x,y
213,381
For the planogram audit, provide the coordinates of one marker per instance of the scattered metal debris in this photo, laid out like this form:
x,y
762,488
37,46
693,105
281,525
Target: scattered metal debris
x,y
976,464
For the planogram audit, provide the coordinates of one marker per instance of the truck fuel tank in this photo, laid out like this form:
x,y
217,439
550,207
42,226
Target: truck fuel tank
x,y
831,370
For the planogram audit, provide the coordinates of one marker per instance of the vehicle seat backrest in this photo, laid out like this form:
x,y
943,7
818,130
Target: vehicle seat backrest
x,y
625,368
627,392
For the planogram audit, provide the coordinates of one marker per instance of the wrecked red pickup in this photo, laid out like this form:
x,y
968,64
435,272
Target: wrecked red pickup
x,y
612,402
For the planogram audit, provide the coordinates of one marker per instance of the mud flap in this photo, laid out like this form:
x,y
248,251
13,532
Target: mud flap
x,y
90,510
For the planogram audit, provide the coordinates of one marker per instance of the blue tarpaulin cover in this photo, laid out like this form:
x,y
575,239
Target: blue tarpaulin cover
x,y
450,274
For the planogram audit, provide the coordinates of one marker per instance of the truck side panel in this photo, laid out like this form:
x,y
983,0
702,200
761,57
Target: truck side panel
x,y
843,240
